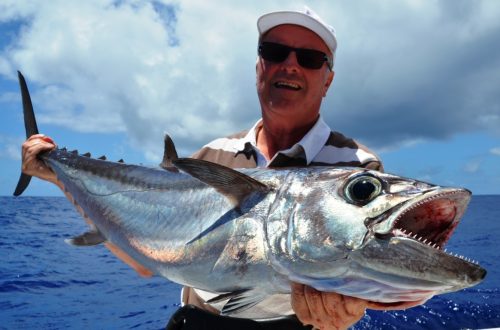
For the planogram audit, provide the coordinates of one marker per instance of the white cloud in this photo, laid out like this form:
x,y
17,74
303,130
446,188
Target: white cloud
x,y
9,97
10,148
113,67
472,166
188,67
495,151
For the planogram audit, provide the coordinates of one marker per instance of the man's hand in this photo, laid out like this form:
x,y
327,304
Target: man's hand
x,y
332,311
31,165
326,310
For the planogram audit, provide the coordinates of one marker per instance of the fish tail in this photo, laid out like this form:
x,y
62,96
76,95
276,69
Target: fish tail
x,y
30,126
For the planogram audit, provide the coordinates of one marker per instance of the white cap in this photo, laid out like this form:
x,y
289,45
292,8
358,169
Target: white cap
x,y
306,18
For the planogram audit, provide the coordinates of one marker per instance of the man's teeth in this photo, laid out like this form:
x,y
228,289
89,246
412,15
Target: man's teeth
x,y
283,84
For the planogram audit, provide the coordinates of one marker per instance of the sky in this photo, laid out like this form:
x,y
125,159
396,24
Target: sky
x,y
416,81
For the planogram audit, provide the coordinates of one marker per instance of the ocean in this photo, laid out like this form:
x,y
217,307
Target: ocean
x,y
47,284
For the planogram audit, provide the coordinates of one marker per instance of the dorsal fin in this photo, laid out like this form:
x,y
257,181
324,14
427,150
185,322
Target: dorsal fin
x,y
102,157
233,184
169,155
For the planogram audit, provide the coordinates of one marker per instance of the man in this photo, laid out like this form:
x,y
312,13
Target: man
x,y
294,69
294,72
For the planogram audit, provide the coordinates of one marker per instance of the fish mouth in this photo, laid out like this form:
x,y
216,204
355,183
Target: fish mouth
x,y
405,248
429,218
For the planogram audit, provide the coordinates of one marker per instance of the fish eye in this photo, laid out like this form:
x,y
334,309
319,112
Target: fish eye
x,y
363,189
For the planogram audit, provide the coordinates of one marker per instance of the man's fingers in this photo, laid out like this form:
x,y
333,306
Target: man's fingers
x,y
48,140
354,307
343,307
31,148
314,300
299,303
331,301
330,310
326,310
36,137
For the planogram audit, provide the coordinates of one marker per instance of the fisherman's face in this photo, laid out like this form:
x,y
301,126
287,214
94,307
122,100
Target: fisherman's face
x,y
287,88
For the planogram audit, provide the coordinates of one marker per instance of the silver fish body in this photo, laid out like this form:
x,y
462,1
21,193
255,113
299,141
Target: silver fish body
x,y
308,225
249,233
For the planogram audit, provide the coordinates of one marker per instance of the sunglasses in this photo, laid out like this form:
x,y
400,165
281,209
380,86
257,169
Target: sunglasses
x,y
307,58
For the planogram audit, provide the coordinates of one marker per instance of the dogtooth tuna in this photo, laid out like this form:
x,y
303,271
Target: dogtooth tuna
x,y
248,233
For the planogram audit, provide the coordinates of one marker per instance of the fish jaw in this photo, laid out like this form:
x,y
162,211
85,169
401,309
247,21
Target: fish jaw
x,y
403,251
413,269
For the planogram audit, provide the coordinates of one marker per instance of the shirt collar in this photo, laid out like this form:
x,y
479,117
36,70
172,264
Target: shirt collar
x,y
315,139
311,143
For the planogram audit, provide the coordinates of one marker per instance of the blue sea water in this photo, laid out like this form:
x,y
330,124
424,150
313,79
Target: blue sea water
x,y
47,284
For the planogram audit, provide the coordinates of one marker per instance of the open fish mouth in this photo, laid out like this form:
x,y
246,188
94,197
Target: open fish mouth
x,y
405,250
429,219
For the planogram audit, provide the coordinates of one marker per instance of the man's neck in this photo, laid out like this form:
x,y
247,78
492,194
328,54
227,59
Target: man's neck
x,y
274,136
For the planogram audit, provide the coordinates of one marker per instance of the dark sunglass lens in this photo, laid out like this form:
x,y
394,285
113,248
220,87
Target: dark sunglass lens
x,y
273,52
307,58
310,58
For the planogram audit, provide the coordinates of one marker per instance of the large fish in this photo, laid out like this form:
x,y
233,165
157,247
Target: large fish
x,y
248,233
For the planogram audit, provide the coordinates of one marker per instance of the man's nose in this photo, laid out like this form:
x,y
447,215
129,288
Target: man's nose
x,y
291,60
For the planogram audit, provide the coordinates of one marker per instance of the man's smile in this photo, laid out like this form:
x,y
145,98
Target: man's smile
x,y
287,85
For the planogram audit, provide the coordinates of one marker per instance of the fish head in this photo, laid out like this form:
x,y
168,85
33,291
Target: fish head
x,y
372,235
402,253
311,222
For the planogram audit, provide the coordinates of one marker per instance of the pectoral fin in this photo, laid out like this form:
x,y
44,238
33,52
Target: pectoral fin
x,y
90,238
239,301
233,184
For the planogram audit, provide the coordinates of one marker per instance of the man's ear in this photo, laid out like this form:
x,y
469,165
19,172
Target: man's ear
x,y
328,82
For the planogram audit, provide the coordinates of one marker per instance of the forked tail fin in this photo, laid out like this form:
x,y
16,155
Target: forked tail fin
x,y
29,125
